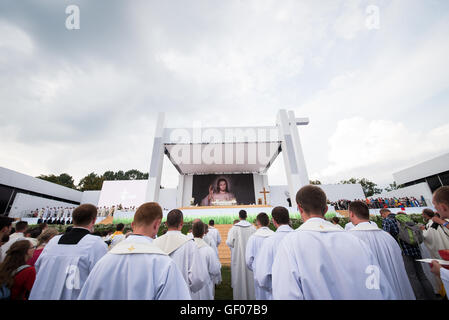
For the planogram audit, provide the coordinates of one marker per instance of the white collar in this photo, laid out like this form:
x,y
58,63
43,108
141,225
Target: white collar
x,y
284,228
366,226
200,242
264,232
171,241
136,244
243,223
320,225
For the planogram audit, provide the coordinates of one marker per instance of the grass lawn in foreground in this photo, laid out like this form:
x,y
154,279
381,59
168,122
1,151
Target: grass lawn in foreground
x,y
223,291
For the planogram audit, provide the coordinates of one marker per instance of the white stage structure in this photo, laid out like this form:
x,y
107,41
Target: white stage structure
x,y
228,150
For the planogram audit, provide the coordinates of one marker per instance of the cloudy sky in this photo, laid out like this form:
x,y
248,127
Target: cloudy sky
x,y
85,100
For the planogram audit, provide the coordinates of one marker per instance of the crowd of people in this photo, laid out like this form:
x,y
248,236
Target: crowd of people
x,y
63,215
380,203
318,260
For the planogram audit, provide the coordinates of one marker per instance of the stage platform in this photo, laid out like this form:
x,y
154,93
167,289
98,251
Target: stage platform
x,y
220,214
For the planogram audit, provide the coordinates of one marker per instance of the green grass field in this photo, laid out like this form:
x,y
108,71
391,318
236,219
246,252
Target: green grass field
x,y
223,291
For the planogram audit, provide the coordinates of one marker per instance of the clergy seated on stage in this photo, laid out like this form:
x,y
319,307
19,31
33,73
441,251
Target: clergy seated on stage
x,y
242,279
384,247
319,261
265,257
210,259
136,269
255,243
183,251
66,261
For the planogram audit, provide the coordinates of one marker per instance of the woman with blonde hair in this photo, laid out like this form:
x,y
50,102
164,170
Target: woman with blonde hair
x,y
17,277
42,240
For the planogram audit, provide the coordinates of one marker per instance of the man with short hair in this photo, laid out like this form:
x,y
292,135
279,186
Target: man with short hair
x,y
214,233
384,247
183,251
440,201
242,279
319,261
5,230
209,240
253,247
136,269
410,253
118,235
210,260
19,234
66,261
265,258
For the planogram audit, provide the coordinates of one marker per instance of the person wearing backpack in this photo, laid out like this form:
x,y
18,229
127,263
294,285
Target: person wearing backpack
x,y
409,236
16,277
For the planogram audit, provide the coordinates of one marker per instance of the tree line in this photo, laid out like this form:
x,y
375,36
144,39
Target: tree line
x,y
93,181
369,188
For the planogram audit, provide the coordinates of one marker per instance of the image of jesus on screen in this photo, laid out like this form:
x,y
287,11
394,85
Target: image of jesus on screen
x,y
218,194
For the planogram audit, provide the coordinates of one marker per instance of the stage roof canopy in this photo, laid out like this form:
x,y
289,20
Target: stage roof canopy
x,y
222,150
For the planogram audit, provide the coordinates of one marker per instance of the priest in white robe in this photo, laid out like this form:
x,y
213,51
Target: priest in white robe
x,y
255,243
242,279
319,261
265,258
214,233
66,261
384,247
209,239
183,251
136,269
210,260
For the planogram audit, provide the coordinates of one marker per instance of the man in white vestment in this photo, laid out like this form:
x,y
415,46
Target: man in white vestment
x,y
66,261
136,269
183,251
209,239
384,247
214,233
46,215
253,247
265,257
117,236
319,261
242,279
210,260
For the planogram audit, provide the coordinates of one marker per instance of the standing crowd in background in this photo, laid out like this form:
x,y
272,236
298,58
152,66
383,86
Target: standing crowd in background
x,y
380,203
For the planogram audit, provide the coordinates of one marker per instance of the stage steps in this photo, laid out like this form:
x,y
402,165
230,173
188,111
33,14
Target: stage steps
x,y
224,252
107,220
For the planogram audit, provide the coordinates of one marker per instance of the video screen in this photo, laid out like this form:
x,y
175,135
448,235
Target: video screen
x,y
223,190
